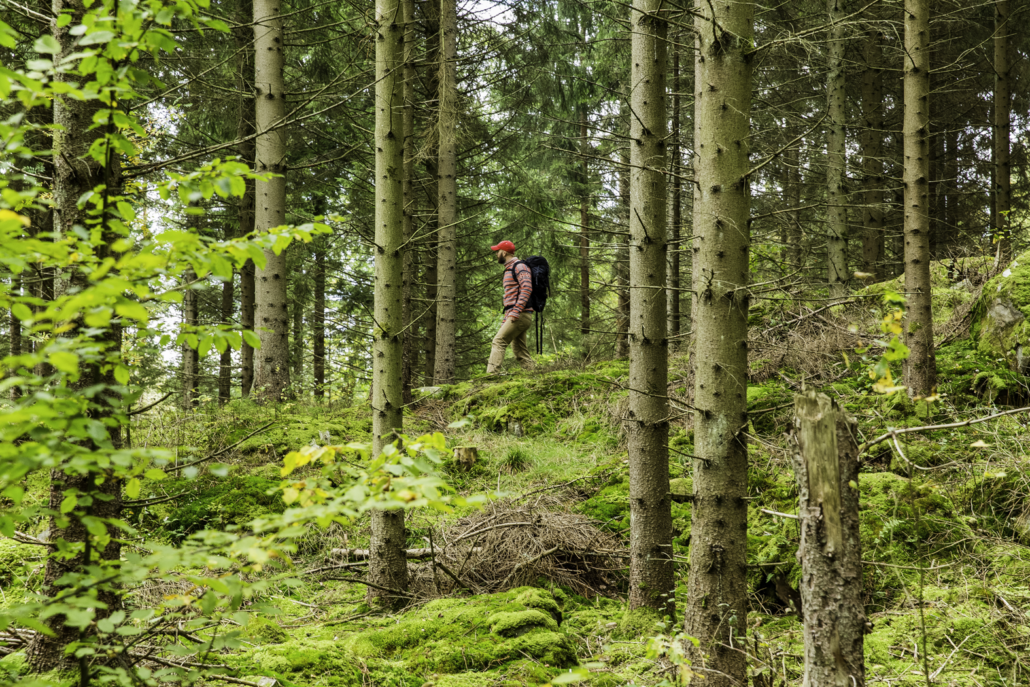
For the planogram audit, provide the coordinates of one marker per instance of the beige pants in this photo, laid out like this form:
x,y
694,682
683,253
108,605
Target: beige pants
x,y
512,331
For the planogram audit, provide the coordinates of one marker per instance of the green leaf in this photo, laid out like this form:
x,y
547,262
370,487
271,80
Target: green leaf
x,y
47,45
21,311
97,37
155,474
132,310
132,488
63,20
69,503
251,339
121,374
65,362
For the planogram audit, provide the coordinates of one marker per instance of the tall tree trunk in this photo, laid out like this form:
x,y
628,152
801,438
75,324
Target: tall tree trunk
x,y
717,593
949,208
651,583
190,354
676,209
447,194
297,337
921,365
431,14
246,152
622,261
15,330
272,368
76,173
795,235
584,228
225,360
921,368
410,350
388,566
1002,131
318,321
836,203
871,142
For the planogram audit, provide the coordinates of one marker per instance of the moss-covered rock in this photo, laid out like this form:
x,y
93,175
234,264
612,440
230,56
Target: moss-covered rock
x,y
948,290
1002,325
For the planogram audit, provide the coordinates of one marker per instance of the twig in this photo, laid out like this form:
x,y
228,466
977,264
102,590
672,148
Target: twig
x,y
925,428
532,560
779,514
146,408
218,453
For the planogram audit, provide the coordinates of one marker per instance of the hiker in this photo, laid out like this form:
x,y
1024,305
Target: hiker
x,y
518,315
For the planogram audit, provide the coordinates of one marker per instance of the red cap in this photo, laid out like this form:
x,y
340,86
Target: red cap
x,y
504,245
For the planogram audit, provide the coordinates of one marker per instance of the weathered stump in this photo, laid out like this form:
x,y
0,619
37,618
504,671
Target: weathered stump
x,y
826,464
465,457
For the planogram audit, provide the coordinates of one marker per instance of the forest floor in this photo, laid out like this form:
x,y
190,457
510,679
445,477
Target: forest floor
x,y
945,533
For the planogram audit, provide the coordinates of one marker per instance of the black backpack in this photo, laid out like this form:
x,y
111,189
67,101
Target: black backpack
x,y
541,272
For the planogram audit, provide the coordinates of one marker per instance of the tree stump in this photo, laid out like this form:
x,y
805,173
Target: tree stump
x,y
466,457
826,464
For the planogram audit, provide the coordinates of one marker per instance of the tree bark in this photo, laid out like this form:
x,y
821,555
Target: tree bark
x,y
190,354
15,331
431,13
651,583
676,209
74,174
272,369
622,262
584,229
836,202
717,596
388,566
410,351
447,197
297,336
830,553
871,142
225,360
921,365
1002,132
246,152
318,321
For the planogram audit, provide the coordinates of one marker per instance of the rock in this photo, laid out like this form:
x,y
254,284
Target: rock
x,y
515,427
267,681
1003,328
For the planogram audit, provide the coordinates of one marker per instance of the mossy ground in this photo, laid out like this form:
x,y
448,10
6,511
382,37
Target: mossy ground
x,y
946,532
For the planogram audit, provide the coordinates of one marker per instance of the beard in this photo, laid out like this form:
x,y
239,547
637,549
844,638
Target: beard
x,y
501,257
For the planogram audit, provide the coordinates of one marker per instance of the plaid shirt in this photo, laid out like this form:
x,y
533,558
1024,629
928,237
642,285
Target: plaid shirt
x,y
518,285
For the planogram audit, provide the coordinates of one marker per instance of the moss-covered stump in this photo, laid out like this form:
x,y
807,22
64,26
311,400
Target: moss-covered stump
x,y
446,637
1002,325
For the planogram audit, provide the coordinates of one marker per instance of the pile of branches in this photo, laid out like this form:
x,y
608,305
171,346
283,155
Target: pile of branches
x,y
508,545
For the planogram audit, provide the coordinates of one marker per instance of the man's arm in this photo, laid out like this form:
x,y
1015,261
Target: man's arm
x,y
524,276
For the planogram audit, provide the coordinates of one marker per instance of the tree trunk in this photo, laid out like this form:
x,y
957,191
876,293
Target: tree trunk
x,y
75,173
190,354
431,12
651,583
272,369
246,152
836,202
871,142
795,235
318,321
676,210
717,595
388,566
447,197
622,261
225,360
297,336
1002,132
410,351
830,553
15,331
584,229
921,365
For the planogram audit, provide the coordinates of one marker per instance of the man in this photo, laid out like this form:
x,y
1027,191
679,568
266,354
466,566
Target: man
x,y
518,316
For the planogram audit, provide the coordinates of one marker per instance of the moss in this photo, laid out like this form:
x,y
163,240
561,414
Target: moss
x,y
946,294
1002,325
17,561
640,622
446,637
214,503
266,632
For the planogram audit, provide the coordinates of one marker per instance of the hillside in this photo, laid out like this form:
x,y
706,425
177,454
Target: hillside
x,y
945,533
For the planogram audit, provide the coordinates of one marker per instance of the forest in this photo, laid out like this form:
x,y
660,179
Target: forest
x,y
765,420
